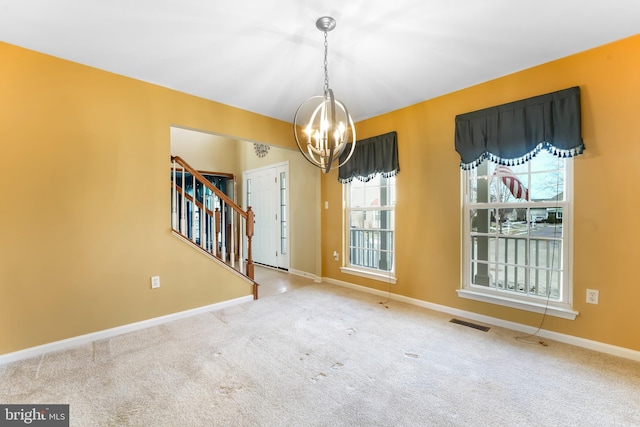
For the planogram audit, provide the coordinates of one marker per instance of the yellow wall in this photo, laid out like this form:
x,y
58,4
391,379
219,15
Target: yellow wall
x,y
85,211
206,152
215,153
606,237
304,204
84,199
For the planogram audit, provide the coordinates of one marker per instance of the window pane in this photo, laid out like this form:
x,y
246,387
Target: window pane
x,y
545,161
371,219
547,178
520,255
519,279
482,220
472,195
386,261
391,185
378,191
506,186
544,281
546,222
512,251
365,257
547,186
357,219
511,278
545,253
481,274
357,195
371,222
483,248
515,221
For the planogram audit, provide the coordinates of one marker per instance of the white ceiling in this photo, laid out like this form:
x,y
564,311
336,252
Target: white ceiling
x,y
266,56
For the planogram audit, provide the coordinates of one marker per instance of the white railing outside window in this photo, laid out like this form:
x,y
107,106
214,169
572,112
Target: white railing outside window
x,y
517,243
370,228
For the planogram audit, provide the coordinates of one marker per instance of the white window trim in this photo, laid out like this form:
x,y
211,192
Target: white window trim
x,y
379,275
562,310
556,310
370,274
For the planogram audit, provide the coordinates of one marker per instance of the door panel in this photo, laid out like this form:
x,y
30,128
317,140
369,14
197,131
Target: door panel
x,y
268,199
264,197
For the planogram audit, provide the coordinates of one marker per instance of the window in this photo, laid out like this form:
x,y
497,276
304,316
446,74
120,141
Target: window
x,y
283,213
517,234
370,221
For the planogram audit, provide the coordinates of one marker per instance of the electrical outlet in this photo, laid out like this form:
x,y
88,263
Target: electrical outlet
x,y
592,296
155,282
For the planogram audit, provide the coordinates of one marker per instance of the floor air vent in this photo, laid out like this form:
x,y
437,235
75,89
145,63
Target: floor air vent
x,y
469,324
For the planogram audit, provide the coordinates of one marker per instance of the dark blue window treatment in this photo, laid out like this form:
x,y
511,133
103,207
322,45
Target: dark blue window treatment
x,y
372,156
513,133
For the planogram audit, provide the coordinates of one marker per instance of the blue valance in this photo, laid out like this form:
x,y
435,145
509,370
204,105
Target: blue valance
x,y
372,156
513,133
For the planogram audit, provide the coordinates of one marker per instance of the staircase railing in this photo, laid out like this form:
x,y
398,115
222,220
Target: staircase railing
x,y
210,220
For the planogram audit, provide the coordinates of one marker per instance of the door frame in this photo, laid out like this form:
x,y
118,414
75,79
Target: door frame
x,y
284,260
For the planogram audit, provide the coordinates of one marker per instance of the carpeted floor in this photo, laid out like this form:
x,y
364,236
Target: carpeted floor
x,y
323,355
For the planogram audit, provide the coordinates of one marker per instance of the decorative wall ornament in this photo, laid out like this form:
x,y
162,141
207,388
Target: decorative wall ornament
x,y
261,149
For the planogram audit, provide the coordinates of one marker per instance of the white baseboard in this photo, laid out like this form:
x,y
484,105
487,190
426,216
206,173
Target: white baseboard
x,y
305,274
564,338
109,333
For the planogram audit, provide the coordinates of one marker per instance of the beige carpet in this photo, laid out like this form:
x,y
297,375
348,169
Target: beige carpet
x,y
322,355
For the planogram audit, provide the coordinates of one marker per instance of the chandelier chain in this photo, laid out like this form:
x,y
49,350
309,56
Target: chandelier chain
x,y
326,64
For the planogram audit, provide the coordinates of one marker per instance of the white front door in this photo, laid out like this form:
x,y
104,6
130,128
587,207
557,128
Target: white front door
x,y
267,194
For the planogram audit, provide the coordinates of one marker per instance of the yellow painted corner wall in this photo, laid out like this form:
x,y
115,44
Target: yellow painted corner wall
x,y
85,206
303,184
606,176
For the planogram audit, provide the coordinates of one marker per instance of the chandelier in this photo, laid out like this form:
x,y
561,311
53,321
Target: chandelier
x,y
322,125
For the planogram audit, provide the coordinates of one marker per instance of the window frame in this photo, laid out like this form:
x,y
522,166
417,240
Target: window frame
x,y
563,308
347,267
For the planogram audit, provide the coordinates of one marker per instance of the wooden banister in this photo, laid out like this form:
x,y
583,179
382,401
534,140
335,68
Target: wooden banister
x,y
191,199
209,185
217,217
250,222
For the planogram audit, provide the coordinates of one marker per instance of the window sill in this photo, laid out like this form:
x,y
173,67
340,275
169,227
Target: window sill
x,y
564,313
387,278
